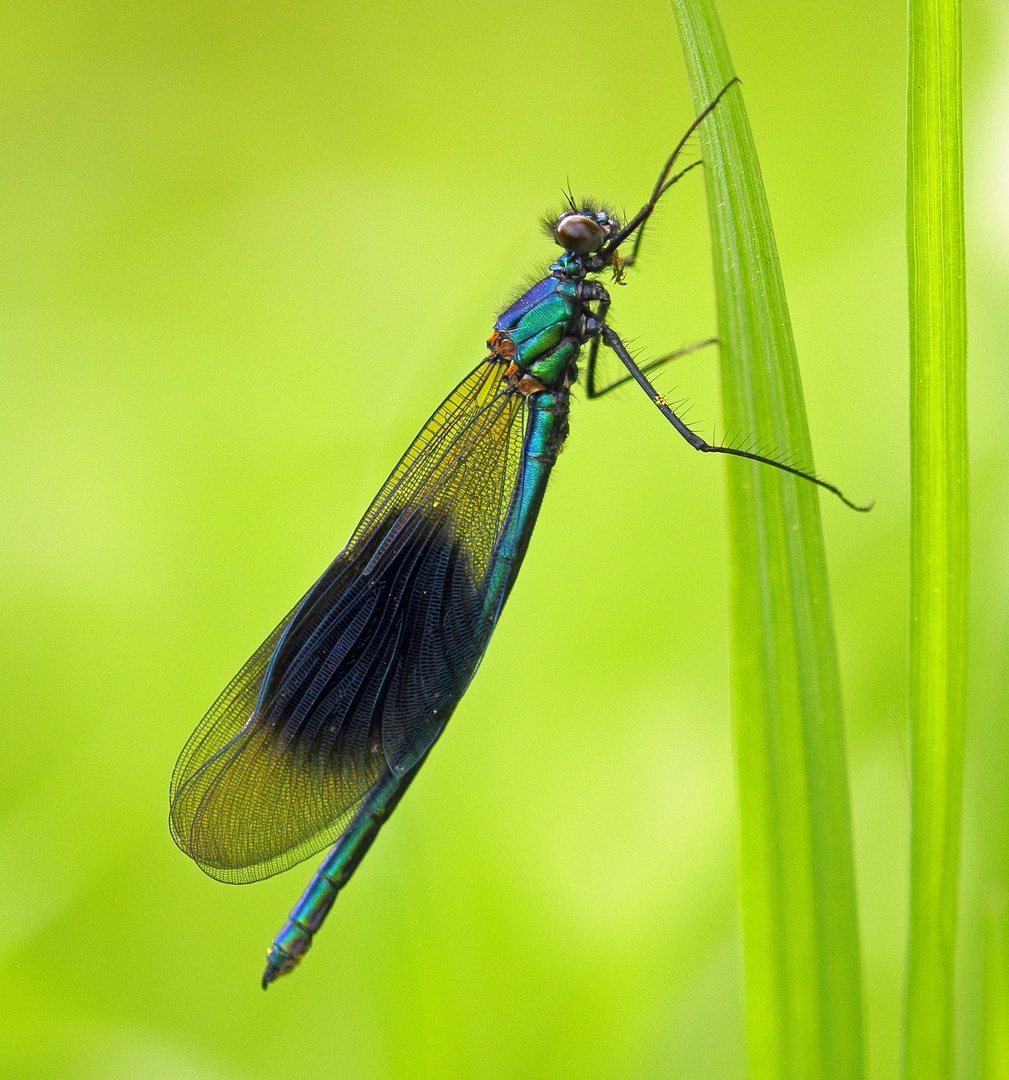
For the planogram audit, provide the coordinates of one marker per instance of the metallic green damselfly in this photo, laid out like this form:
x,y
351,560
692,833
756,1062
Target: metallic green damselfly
x,y
317,738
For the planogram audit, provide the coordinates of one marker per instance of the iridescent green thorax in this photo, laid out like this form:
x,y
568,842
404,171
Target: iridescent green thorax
x,y
540,332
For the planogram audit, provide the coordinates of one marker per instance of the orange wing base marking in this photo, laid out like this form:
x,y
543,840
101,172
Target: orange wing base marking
x,y
522,381
503,349
501,345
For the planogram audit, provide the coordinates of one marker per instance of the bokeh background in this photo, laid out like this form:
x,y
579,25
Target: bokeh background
x,y
245,250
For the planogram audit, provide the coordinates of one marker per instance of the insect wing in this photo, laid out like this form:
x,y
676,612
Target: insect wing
x,y
361,677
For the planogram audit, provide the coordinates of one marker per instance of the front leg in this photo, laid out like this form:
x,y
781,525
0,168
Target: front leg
x,y
631,259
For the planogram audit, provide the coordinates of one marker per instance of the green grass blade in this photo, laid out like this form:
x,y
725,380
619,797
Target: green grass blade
x,y
938,616
800,927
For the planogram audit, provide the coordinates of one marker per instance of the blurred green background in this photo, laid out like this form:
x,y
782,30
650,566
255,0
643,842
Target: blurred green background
x,y
246,249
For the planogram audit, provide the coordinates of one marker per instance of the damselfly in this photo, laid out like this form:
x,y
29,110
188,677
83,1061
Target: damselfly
x,y
320,734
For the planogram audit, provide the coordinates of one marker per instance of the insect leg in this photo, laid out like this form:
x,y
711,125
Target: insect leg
x,y
661,184
599,320
593,392
630,260
695,440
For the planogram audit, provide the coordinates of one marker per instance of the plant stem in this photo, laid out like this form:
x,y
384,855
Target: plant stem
x,y
799,913
938,606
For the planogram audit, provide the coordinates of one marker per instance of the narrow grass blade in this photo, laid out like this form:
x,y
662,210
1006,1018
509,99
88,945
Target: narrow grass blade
x,y
938,615
800,927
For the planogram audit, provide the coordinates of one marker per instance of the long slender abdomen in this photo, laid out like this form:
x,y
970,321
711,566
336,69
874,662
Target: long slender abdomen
x,y
546,429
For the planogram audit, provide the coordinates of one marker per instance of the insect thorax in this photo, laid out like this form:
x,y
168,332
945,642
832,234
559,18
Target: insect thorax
x,y
541,334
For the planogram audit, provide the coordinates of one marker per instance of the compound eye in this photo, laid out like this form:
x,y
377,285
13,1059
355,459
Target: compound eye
x,y
579,234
